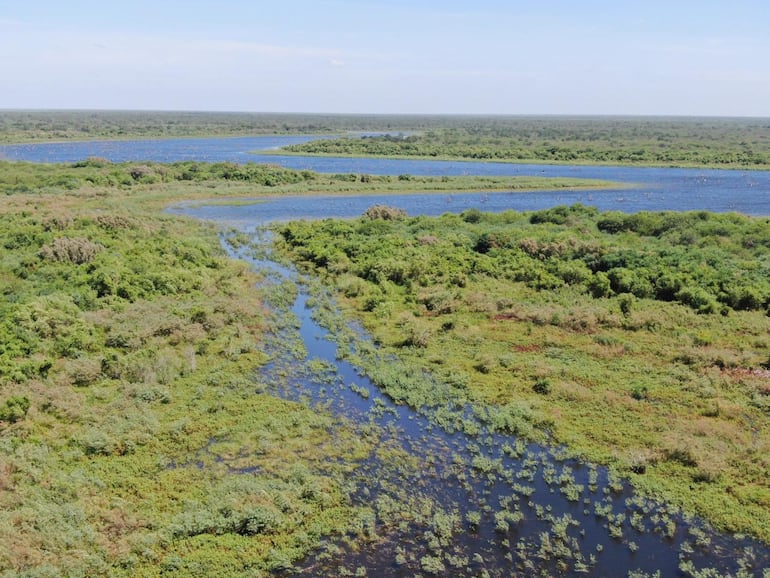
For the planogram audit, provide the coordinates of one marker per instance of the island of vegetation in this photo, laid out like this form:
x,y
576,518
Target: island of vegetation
x,y
686,142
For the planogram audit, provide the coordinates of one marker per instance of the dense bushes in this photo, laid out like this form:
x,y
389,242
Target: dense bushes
x,y
14,408
723,266
131,434
20,177
58,275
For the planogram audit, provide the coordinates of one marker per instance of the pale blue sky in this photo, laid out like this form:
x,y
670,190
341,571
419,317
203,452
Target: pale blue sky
x,y
660,57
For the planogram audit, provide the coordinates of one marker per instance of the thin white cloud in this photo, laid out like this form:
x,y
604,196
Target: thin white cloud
x,y
121,50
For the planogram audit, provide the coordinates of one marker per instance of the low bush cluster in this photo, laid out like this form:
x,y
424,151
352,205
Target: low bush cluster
x,y
77,250
722,266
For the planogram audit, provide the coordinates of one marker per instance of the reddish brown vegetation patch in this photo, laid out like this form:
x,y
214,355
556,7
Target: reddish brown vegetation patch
x,y
530,348
506,315
739,372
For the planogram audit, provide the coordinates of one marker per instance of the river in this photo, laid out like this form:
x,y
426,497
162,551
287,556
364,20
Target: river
x,y
514,508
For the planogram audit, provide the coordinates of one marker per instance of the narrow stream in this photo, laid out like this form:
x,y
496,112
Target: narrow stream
x,y
452,497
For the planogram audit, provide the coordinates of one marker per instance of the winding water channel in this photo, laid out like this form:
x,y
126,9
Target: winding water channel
x,y
489,504
492,504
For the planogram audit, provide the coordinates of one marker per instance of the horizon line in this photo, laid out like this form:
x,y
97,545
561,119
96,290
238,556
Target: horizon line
x,y
383,114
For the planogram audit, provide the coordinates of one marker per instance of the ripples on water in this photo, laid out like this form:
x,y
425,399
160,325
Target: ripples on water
x,y
656,189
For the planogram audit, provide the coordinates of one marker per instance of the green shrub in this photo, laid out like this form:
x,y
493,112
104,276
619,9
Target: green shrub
x,y
437,300
681,456
258,520
542,386
612,222
626,304
639,392
556,215
698,299
743,298
666,286
385,213
471,215
600,285
14,408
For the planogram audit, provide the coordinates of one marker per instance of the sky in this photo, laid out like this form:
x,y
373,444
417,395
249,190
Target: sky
x,y
586,57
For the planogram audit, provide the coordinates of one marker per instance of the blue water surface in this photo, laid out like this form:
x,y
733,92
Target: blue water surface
x,y
654,188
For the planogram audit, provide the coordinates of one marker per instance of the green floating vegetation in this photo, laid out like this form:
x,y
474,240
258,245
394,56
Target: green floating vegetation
x,y
639,341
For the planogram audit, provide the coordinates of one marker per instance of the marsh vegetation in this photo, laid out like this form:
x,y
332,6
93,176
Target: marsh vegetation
x,y
638,341
133,441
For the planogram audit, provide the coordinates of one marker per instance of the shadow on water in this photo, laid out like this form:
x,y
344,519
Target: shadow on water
x,y
452,495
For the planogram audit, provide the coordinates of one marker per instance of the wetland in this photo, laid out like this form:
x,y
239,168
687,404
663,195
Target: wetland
x,y
494,374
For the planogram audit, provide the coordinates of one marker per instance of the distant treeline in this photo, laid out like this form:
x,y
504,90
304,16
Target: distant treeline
x,y
57,125
645,141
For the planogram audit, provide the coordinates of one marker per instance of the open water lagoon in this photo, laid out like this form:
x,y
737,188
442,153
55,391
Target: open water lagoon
x,y
653,188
